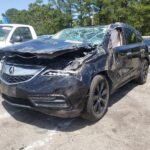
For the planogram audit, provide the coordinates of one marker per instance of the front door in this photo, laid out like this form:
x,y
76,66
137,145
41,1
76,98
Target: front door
x,y
122,66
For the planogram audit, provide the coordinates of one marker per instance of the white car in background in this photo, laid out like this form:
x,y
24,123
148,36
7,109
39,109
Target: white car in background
x,y
15,33
11,34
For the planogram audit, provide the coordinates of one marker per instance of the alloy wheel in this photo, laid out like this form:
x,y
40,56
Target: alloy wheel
x,y
100,97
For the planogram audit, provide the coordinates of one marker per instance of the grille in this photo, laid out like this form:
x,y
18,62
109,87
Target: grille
x,y
15,79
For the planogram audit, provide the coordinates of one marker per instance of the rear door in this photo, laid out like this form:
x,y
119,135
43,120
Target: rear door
x,y
136,46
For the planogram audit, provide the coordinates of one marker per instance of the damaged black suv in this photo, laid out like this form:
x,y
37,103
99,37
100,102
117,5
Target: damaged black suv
x,y
75,71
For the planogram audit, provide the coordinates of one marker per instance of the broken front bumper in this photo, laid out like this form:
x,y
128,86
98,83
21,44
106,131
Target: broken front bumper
x,y
58,96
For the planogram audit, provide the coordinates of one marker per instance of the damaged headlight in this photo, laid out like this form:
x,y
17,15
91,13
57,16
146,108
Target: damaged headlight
x,y
1,64
71,70
59,73
55,73
75,65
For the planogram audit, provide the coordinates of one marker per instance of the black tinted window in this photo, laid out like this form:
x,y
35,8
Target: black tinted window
x,y
130,36
139,37
24,32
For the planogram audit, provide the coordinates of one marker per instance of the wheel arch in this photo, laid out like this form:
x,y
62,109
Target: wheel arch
x,y
105,73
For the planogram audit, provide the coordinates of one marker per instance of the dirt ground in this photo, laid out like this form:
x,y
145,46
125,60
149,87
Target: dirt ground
x,y
126,126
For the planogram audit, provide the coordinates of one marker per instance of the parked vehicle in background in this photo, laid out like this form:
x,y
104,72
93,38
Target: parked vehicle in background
x,y
74,72
15,33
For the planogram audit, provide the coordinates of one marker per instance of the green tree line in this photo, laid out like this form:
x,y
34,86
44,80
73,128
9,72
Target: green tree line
x,y
58,14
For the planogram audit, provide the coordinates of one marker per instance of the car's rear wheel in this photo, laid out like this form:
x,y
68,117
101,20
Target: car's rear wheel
x,y
97,103
143,73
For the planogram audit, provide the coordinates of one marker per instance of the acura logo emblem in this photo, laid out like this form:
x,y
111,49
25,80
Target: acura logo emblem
x,y
11,70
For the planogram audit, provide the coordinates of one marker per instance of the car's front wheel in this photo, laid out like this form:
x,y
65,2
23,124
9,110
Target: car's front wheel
x,y
97,103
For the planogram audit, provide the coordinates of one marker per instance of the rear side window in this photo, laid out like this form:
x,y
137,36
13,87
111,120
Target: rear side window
x,y
130,36
139,37
24,32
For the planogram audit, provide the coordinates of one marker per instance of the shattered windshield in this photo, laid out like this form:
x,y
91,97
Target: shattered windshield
x,y
4,31
91,35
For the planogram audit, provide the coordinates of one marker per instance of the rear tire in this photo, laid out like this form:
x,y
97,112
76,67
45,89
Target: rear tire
x,y
97,103
143,73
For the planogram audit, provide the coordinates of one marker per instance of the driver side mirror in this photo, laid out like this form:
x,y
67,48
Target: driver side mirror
x,y
16,39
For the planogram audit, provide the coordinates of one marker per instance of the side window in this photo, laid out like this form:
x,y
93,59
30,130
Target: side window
x,y
139,37
116,38
130,36
24,33
17,32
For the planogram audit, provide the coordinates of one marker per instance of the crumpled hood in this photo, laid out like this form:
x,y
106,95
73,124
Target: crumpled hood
x,y
44,47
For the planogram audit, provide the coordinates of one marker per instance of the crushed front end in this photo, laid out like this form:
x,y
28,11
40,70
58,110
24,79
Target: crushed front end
x,y
53,86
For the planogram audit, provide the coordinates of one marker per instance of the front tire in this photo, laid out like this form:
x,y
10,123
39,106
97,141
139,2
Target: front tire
x,y
97,103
